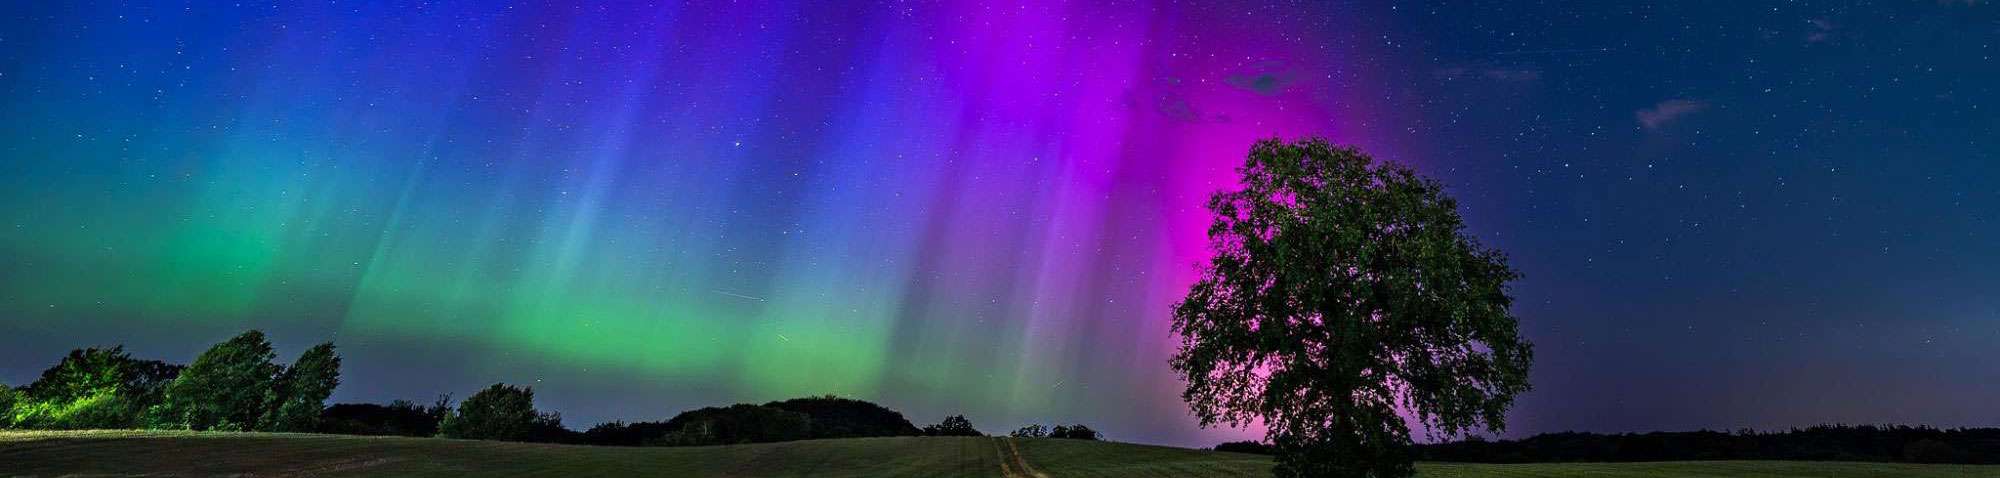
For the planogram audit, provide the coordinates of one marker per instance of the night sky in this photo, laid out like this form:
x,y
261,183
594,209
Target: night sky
x,y
1729,214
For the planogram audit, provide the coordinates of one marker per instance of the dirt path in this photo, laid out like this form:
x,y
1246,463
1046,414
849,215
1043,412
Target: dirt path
x,y
1012,465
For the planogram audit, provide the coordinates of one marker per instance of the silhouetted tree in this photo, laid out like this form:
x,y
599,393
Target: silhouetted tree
x,y
953,426
1246,446
400,417
736,424
84,372
90,388
1838,442
226,388
1074,432
1031,431
824,417
1342,290
618,433
300,392
836,417
548,428
500,412
7,398
1929,451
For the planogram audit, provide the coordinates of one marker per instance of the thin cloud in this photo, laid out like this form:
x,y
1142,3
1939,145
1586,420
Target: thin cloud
x,y
1822,30
1668,111
1265,78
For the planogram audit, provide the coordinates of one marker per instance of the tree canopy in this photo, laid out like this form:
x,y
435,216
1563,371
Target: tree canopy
x,y
502,412
399,417
737,424
836,417
90,388
953,426
226,388
300,393
1344,290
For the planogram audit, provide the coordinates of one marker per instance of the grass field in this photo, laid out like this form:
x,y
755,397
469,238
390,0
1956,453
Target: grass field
x,y
264,454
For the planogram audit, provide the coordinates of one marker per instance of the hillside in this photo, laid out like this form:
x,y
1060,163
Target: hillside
x,y
182,453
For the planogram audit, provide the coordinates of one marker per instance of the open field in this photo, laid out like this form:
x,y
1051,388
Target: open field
x,y
184,453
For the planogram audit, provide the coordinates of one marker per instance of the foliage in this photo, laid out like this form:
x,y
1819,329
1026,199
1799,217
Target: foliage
x,y
1030,431
836,417
103,410
500,412
826,417
226,388
736,424
83,373
400,417
89,388
1247,446
1820,443
618,433
7,398
88,372
1075,432
952,426
1341,291
299,394
1929,451
548,428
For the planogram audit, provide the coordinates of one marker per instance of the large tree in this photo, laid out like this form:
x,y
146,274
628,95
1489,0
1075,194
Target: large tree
x,y
226,388
500,412
1343,291
90,388
299,395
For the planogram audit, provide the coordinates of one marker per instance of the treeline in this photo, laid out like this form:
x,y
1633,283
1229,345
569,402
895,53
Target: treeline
x,y
796,419
237,386
1075,432
1821,443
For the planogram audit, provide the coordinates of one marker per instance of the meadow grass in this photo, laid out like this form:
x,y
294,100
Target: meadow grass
x,y
207,453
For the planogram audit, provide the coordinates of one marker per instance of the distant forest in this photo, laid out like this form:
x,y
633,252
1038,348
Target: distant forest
x,y
1821,443
237,385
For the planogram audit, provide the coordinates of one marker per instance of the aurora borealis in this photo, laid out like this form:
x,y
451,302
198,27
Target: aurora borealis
x,y
641,208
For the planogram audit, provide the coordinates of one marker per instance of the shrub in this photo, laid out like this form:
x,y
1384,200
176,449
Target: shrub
x,y
105,409
1031,431
226,388
1929,451
955,425
628,434
399,418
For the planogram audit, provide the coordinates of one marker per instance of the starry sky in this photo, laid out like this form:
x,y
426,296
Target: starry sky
x,y
1729,214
